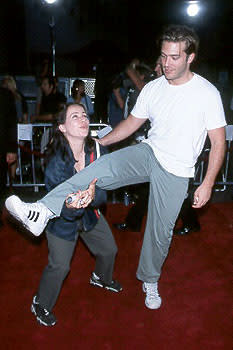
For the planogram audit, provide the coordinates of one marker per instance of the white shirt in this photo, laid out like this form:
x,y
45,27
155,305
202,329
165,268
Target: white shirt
x,y
180,116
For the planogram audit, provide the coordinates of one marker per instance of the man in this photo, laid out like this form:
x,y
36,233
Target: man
x,y
8,139
182,108
52,101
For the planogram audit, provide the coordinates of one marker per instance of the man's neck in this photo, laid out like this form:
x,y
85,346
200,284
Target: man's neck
x,y
182,80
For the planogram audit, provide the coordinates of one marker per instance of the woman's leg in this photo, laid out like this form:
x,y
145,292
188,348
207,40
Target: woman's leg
x,y
101,243
60,255
121,168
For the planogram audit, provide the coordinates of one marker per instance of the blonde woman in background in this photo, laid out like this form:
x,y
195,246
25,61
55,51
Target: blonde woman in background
x,y
20,102
9,83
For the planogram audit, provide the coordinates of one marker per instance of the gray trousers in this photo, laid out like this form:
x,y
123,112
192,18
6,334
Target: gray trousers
x,y
99,241
132,165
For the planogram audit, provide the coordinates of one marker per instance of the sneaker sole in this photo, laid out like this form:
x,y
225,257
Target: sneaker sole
x,y
10,206
113,290
12,209
39,320
96,284
152,307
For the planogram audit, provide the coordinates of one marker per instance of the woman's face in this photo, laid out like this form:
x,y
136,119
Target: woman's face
x,y
76,124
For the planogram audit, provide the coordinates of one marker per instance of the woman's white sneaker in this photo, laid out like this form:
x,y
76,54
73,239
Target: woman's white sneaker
x,y
33,216
153,299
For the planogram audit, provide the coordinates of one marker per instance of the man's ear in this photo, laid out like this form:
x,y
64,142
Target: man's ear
x,y
191,57
62,128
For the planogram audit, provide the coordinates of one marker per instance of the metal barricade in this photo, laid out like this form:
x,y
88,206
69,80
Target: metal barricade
x,y
32,142
226,178
33,138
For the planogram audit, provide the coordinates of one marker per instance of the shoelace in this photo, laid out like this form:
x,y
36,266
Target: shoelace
x,y
152,290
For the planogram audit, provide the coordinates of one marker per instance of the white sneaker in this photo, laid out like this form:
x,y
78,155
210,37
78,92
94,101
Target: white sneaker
x,y
33,216
153,300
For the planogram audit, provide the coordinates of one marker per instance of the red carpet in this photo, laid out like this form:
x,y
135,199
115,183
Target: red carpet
x,y
195,288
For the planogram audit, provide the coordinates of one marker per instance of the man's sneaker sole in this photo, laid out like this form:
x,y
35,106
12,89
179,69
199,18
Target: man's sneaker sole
x,y
29,221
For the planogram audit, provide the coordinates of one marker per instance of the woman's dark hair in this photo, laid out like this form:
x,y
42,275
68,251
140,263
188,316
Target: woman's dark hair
x,y
59,141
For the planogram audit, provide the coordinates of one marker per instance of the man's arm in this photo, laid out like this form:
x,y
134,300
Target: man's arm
x,y
216,157
119,98
124,129
135,77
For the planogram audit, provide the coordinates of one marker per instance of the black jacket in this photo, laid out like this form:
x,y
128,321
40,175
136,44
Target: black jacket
x,y
72,220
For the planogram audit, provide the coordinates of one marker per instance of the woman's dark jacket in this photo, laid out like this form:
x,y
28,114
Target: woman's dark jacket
x,y
72,221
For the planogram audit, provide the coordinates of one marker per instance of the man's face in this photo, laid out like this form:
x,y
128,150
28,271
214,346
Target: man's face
x,y
175,62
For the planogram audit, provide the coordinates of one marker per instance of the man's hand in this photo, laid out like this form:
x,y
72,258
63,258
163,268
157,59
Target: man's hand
x,y
82,198
201,196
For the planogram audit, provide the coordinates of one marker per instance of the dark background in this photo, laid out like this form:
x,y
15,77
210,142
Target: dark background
x,y
97,38
110,31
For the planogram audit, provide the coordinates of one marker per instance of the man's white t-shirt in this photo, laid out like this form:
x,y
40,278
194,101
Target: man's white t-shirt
x,y
180,116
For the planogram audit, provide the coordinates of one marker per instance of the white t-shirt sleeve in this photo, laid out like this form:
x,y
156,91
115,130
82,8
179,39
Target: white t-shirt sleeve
x,y
214,112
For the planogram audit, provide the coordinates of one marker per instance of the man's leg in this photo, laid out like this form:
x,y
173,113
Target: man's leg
x,y
120,168
167,193
189,218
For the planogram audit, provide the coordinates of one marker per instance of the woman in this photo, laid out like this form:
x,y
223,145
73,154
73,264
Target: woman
x,y
9,83
71,150
20,102
78,95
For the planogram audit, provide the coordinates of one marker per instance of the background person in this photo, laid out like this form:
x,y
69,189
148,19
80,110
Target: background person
x,y
52,101
9,82
8,140
78,95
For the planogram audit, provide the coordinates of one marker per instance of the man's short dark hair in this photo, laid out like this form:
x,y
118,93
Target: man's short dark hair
x,y
179,33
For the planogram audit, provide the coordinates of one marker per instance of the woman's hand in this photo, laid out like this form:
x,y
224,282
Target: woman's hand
x,y
82,198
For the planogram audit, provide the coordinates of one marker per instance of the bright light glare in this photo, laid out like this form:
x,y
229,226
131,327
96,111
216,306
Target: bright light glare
x,y
193,9
50,1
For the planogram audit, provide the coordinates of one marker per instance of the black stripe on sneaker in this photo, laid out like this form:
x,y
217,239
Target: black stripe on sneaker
x,y
36,218
33,215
